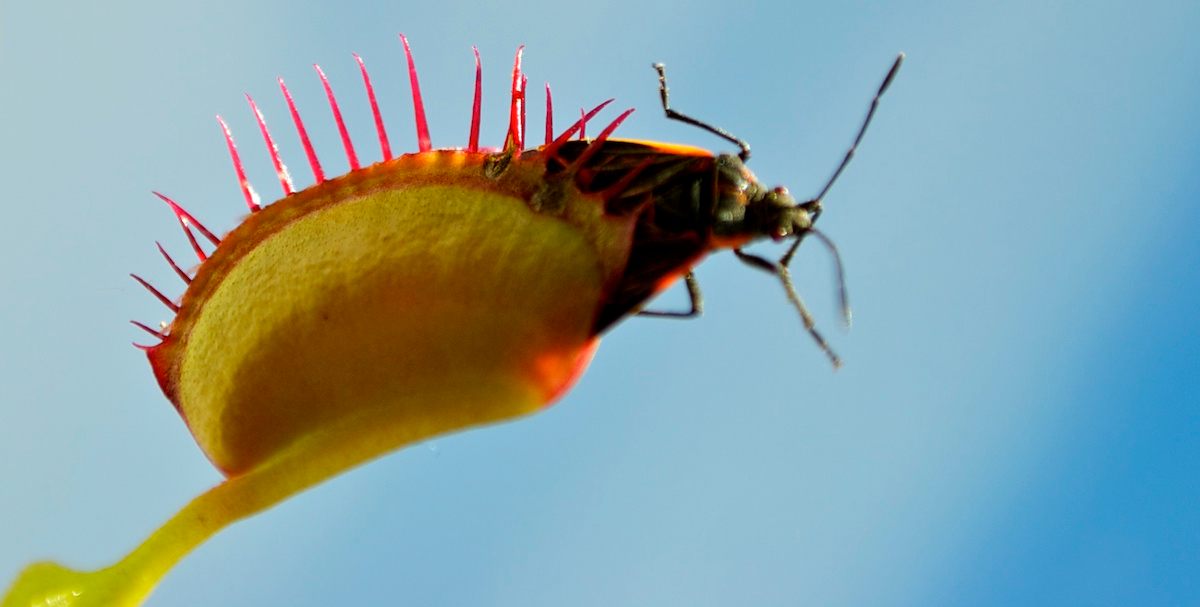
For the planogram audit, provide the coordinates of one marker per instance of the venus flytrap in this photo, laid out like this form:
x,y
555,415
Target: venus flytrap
x,y
427,293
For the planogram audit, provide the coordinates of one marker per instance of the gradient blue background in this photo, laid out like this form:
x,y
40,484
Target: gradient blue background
x,y
1016,423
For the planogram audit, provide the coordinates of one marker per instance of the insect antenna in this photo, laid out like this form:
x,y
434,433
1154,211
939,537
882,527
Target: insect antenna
x,y
838,268
887,81
780,268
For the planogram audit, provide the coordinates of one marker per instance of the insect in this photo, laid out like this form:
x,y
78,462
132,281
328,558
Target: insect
x,y
696,203
426,293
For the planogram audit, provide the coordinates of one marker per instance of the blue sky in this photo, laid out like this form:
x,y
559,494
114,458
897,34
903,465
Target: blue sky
x,y
1016,422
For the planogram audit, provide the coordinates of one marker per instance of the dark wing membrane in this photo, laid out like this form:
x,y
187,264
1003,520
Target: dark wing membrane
x,y
654,260
673,196
631,174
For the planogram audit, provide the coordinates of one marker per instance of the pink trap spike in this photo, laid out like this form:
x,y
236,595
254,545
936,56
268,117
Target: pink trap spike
x,y
174,266
549,116
351,156
473,140
252,199
514,140
285,179
582,125
200,254
187,218
318,174
423,143
384,147
524,105
552,149
187,231
152,331
596,143
156,293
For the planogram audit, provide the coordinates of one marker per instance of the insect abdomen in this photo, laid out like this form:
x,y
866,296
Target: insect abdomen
x,y
672,191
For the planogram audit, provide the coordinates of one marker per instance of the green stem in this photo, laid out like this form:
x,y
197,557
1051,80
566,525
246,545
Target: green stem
x,y
133,578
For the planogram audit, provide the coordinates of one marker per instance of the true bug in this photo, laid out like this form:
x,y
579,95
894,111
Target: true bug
x,y
692,204
351,318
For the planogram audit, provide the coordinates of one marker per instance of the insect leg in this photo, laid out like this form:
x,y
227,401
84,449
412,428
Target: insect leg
x,y
838,268
785,277
673,115
693,289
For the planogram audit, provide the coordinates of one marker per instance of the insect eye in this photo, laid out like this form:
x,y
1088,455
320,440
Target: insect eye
x,y
781,197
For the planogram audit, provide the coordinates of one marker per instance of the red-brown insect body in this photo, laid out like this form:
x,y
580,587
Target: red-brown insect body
x,y
687,203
